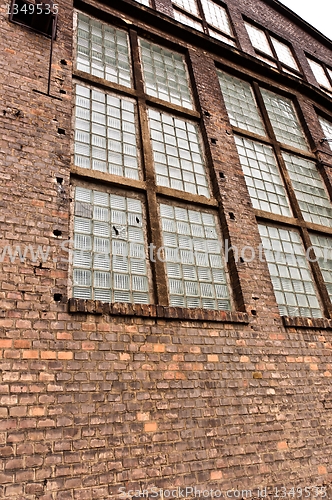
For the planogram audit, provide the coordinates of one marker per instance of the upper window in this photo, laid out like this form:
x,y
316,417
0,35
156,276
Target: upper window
x,y
145,222
271,50
322,73
327,129
205,15
285,186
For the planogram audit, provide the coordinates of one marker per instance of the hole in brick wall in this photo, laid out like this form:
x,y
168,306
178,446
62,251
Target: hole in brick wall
x,y
64,62
206,113
231,215
57,232
61,131
253,312
221,175
59,180
213,140
57,297
63,92
241,260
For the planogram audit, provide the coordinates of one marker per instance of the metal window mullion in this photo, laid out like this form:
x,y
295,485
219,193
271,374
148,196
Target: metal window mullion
x,y
202,14
274,52
316,272
327,74
153,218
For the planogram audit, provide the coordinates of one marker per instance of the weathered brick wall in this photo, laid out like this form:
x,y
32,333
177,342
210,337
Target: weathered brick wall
x,y
94,402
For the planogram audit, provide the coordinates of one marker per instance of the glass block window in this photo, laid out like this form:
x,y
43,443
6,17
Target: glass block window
x,y
327,129
222,38
177,153
105,133
310,191
194,266
262,176
188,5
165,74
109,262
217,16
284,120
182,18
241,104
290,274
320,74
284,54
144,2
259,39
323,251
103,51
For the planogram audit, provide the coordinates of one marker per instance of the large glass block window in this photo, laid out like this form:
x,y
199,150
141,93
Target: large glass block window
x,y
217,16
189,21
327,129
271,50
178,157
188,5
322,245
310,191
103,51
105,133
110,259
241,104
290,274
262,176
194,265
322,74
284,120
165,74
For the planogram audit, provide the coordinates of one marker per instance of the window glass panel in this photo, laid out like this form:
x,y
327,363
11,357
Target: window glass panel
x,y
258,39
165,74
329,72
188,5
103,51
262,176
323,251
327,129
310,191
222,38
284,53
182,18
240,103
319,73
284,120
217,16
105,133
290,274
144,2
194,265
177,154
109,262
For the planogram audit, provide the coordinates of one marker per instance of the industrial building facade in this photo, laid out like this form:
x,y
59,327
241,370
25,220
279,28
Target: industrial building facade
x,y
166,251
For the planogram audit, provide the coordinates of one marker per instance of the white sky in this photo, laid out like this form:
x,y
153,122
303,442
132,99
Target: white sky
x,y
318,13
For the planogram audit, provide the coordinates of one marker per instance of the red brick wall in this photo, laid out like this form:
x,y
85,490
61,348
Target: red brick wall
x,y
94,402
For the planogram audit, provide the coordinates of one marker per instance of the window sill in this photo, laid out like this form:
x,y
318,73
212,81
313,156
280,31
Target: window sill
x,y
153,311
318,323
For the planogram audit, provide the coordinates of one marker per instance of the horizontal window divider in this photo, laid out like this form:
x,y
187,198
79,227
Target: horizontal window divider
x,y
109,179
301,322
268,216
96,81
187,13
172,108
155,311
251,135
298,152
187,197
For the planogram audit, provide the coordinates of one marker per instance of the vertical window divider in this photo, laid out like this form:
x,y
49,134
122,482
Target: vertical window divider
x,y
201,12
154,222
274,52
